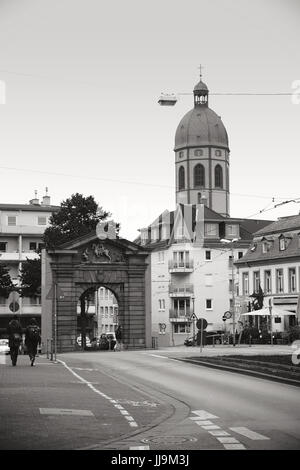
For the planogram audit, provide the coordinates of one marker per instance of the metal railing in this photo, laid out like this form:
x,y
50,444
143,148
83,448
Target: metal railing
x,y
181,291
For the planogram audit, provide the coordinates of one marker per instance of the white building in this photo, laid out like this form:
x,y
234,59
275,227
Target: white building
x,y
21,231
273,262
191,267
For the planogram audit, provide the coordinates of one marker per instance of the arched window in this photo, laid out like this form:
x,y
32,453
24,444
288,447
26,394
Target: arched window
x,y
199,175
181,178
218,176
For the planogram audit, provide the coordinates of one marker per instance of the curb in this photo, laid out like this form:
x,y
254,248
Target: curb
x,y
257,374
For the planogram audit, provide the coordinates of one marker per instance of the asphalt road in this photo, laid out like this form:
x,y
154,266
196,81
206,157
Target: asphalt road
x,y
142,400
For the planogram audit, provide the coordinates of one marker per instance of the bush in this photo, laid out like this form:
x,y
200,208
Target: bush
x,y
293,333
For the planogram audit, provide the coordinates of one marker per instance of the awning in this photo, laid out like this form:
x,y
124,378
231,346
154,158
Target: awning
x,y
276,312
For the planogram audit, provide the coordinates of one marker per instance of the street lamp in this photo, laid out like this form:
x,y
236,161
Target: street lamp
x,y
224,240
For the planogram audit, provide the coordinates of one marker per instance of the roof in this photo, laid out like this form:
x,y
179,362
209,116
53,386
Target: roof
x,y
283,224
28,207
201,86
201,126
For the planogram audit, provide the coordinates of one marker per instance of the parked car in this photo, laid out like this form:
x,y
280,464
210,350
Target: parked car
x,y
209,337
87,341
107,341
4,348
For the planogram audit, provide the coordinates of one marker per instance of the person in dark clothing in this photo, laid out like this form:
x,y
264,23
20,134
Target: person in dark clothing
x,y
14,331
118,333
32,339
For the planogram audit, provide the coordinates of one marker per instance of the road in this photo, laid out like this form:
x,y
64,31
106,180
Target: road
x,y
142,400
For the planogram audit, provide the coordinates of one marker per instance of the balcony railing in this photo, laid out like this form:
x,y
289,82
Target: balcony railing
x,y
186,290
180,315
181,266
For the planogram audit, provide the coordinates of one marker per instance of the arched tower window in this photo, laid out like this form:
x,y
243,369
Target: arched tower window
x,y
199,175
218,176
181,178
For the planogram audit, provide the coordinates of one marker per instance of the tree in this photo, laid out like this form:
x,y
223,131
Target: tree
x,y
31,278
6,284
77,216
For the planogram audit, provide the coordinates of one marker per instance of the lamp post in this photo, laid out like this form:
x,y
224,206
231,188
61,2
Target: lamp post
x,y
224,240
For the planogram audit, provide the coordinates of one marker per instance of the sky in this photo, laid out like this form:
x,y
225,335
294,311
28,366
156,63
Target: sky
x,y
80,111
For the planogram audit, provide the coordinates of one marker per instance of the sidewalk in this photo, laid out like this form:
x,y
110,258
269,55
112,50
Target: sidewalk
x,y
221,350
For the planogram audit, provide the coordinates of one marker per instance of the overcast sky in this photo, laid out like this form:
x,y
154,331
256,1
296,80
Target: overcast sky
x,y
83,77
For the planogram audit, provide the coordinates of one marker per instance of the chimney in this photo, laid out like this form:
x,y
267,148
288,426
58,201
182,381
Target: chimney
x,y
46,199
35,201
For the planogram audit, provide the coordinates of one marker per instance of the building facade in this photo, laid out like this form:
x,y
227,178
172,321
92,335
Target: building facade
x,y
272,262
21,231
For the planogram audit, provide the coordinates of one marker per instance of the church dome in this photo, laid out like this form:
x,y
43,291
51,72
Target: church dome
x,y
201,126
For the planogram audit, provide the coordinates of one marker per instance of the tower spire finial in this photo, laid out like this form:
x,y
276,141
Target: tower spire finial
x,y
200,68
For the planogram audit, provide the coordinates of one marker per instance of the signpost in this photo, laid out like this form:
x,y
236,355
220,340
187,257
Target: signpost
x,y
201,325
193,318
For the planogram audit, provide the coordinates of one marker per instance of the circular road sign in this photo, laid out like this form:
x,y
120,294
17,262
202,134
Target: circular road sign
x,y
14,306
201,324
227,315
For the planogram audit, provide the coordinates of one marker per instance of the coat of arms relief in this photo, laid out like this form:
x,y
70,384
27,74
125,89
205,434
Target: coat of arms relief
x,y
99,252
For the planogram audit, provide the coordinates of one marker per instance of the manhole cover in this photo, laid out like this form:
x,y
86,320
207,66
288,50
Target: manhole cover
x,y
169,439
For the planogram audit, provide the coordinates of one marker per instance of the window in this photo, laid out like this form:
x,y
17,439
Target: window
x,y
208,254
218,176
161,304
232,230
181,259
279,281
182,328
181,154
256,281
106,294
199,175
218,153
111,311
182,307
282,244
42,220
211,230
181,178
12,220
106,312
102,311
161,256
240,254
32,246
292,280
198,153
268,284
245,283
35,300
3,247
208,304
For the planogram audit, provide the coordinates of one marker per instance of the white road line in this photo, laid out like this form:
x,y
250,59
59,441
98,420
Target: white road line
x,y
129,418
202,414
234,447
65,411
124,412
157,355
255,436
203,423
228,440
139,448
214,426
89,384
219,433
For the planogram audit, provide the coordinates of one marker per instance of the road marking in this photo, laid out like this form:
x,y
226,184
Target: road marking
x,y
211,427
205,423
234,446
65,411
202,414
89,384
139,448
124,412
228,440
219,433
84,368
129,418
255,436
157,355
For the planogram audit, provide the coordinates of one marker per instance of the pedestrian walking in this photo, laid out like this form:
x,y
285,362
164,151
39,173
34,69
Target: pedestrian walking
x,y
32,339
119,334
14,331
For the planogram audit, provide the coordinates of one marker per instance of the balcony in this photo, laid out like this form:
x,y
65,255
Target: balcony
x,y
15,256
186,290
181,266
180,315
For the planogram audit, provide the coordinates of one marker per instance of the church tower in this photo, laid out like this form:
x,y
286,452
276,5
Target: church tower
x,y
202,156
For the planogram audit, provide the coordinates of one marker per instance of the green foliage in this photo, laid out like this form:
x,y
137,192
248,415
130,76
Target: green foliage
x,y
6,284
31,278
293,333
78,216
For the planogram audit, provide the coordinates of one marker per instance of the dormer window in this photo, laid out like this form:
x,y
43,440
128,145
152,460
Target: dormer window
x,y
218,153
198,153
282,244
253,247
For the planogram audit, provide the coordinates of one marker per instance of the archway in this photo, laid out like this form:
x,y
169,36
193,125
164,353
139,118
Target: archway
x,y
86,264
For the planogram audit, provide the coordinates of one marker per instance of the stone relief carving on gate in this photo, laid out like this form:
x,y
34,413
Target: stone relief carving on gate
x,y
99,253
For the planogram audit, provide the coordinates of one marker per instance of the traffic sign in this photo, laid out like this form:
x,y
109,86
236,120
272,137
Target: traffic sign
x,y
227,315
201,324
193,317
